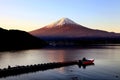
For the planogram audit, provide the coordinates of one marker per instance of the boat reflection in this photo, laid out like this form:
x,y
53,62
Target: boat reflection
x,y
84,66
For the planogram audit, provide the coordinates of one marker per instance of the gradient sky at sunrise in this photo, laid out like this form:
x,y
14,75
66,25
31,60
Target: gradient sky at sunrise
x,y
28,15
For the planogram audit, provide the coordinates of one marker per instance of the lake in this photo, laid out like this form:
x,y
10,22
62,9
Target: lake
x,y
107,63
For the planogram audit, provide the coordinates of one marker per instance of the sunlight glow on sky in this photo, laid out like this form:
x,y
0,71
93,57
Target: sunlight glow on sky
x,y
28,15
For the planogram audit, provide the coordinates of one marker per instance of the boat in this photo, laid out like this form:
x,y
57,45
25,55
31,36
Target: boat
x,y
86,62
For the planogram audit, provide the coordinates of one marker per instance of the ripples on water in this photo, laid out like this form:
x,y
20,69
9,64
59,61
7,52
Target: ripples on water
x,y
107,63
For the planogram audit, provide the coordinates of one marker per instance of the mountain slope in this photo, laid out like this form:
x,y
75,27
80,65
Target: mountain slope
x,y
68,28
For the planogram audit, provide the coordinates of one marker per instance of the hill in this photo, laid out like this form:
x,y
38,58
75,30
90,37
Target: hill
x,y
18,40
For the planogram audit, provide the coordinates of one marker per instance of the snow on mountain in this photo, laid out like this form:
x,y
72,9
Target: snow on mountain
x,y
61,22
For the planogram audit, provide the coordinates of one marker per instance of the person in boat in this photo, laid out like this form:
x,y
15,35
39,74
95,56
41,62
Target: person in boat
x,y
80,62
84,59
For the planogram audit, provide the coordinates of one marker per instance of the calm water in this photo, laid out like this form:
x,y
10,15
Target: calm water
x,y
107,63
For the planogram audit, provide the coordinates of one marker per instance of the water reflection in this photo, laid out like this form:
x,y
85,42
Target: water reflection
x,y
107,63
84,66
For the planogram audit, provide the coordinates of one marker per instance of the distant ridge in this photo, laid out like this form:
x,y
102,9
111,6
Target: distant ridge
x,y
65,27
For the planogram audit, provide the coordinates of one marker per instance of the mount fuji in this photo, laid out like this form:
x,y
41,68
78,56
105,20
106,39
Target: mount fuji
x,y
68,28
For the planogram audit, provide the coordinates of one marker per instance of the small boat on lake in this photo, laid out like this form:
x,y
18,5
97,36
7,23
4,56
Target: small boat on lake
x,y
86,61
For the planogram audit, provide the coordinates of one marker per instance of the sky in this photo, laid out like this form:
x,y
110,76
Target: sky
x,y
29,15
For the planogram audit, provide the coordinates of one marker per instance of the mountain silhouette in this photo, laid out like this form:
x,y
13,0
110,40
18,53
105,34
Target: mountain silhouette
x,y
18,40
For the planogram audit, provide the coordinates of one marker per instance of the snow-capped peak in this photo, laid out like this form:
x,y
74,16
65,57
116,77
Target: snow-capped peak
x,y
65,21
62,21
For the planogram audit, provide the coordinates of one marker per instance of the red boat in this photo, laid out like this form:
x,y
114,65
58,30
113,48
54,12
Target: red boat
x,y
88,61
